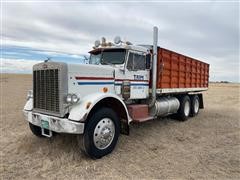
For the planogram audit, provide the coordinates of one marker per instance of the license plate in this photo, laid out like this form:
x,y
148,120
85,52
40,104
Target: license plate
x,y
45,122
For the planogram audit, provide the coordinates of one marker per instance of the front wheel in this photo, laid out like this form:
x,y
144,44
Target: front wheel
x,y
101,133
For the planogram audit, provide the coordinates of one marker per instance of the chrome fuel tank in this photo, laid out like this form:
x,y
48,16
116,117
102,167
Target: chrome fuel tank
x,y
165,106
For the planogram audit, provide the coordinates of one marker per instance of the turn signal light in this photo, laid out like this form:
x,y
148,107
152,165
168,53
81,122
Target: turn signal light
x,y
105,89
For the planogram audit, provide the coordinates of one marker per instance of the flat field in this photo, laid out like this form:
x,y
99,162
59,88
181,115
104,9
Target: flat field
x,y
204,147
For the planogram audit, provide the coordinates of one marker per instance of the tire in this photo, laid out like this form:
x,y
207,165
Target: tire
x,y
185,108
37,131
195,103
101,133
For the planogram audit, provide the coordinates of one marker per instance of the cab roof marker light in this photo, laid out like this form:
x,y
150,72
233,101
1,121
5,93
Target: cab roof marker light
x,y
103,41
110,44
97,43
128,43
117,40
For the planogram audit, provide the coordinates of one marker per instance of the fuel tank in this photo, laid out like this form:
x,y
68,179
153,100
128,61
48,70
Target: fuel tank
x,y
165,106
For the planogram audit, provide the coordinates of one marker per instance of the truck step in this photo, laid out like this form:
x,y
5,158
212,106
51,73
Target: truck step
x,y
139,112
143,119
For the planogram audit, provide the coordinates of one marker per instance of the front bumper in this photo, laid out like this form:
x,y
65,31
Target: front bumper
x,y
60,125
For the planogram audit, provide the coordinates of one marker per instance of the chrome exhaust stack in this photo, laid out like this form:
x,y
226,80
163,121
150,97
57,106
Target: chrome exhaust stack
x,y
154,67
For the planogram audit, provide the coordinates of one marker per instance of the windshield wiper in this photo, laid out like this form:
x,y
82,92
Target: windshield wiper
x,y
107,63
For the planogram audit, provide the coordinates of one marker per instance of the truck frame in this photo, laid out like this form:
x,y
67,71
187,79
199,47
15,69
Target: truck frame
x,y
122,84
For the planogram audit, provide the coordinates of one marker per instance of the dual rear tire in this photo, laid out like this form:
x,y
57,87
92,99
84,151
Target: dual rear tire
x,y
188,107
195,105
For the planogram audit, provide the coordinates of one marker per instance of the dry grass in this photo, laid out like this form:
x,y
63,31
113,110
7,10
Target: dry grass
x,y
207,146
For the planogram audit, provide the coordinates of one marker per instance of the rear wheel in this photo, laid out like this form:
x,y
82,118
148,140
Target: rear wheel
x,y
185,108
101,133
195,105
36,130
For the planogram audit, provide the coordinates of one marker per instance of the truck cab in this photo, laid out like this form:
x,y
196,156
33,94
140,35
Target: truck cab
x,y
131,67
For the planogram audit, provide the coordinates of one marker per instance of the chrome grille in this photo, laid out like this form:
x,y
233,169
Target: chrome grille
x,y
46,90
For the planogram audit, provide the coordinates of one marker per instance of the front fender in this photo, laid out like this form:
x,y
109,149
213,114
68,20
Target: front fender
x,y
79,112
29,105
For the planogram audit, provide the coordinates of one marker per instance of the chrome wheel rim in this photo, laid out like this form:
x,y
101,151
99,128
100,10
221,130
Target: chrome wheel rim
x,y
104,133
196,106
187,108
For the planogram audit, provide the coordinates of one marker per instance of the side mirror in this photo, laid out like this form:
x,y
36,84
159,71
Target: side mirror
x,y
148,61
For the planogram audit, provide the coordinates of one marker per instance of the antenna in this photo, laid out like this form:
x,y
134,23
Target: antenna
x,y
48,59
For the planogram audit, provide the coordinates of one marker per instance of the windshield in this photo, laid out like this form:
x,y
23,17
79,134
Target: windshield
x,y
108,56
95,58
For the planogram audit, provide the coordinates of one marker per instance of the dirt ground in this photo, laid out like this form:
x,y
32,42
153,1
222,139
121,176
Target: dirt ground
x,y
204,147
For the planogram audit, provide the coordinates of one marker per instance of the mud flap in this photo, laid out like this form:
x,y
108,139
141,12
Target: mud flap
x,y
201,105
124,127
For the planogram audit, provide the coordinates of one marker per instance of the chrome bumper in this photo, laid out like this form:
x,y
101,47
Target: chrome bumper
x,y
60,125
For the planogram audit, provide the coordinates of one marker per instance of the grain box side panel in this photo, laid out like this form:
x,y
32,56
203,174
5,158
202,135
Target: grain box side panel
x,y
179,71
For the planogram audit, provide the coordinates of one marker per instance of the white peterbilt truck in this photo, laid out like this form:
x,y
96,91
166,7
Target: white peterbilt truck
x,y
122,83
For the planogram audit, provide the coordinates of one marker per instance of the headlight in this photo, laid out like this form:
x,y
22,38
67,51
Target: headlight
x,y
72,98
75,98
29,94
69,98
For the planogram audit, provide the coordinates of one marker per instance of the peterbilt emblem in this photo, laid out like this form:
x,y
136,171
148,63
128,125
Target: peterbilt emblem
x,y
44,66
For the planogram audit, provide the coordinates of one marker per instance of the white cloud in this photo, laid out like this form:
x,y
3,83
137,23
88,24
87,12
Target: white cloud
x,y
17,65
204,30
57,54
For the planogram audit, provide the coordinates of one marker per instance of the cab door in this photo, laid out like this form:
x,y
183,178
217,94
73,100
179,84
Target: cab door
x,y
137,74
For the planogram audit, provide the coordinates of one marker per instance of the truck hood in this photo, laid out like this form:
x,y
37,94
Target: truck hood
x,y
85,79
91,71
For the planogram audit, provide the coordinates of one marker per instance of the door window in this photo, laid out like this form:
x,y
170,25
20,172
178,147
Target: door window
x,y
136,61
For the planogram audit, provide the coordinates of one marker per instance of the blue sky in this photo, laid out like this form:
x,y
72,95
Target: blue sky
x,y
65,31
23,57
11,52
